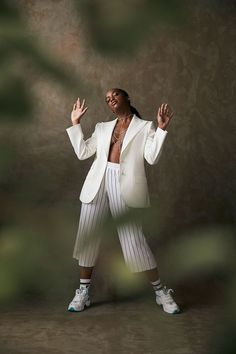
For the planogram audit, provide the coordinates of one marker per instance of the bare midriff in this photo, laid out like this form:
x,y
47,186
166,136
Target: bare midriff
x,y
117,138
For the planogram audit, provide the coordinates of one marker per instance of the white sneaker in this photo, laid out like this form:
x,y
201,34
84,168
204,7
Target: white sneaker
x,y
80,301
164,298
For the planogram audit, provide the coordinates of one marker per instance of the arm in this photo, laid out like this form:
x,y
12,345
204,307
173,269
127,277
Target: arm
x,y
154,143
155,139
83,148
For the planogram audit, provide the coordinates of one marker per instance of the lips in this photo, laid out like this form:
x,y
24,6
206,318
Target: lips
x,y
113,103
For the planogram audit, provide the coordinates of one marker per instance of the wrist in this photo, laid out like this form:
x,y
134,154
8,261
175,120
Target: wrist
x,y
75,122
161,127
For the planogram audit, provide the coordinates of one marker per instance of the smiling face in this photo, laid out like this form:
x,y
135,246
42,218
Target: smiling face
x,y
117,101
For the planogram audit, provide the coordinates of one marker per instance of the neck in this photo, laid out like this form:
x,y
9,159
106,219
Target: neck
x,y
124,116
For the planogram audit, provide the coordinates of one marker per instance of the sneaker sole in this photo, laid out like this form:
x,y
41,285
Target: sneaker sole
x,y
72,309
172,313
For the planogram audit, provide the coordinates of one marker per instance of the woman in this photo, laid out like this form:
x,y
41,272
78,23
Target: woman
x,y
117,180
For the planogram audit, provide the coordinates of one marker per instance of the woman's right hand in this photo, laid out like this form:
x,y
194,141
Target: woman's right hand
x,y
78,111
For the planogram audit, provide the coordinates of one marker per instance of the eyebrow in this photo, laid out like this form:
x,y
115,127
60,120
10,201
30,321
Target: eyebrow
x,y
115,91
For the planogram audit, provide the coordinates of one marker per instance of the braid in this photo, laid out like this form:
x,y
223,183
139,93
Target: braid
x,y
134,111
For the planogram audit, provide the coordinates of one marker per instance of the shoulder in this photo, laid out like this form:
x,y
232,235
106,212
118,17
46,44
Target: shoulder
x,y
148,124
142,120
98,125
103,125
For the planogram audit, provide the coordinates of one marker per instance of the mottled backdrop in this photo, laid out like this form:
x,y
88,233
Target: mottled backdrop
x,y
185,56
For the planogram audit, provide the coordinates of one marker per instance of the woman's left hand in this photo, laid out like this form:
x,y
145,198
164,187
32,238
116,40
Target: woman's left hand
x,y
164,116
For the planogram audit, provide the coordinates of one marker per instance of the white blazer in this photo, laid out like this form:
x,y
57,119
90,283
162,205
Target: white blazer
x,y
141,141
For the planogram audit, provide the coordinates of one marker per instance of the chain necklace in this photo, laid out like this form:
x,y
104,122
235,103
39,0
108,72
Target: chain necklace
x,y
118,138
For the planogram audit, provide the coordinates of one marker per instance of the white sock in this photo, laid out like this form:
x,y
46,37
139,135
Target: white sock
x,y
85,283
157,285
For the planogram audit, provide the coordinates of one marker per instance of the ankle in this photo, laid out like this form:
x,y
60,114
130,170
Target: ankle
x,y
85,283
157,285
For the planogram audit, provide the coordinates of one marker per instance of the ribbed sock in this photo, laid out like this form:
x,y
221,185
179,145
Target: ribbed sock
x,y
157,285
85,283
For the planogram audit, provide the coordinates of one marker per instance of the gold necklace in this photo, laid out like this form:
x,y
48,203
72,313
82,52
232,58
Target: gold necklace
x,y
118,137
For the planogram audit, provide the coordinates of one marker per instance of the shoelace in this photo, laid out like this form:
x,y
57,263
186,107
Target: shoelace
x,y
79,295
168,296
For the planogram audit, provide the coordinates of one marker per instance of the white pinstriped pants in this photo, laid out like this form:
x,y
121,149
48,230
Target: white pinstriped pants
x,y
137,254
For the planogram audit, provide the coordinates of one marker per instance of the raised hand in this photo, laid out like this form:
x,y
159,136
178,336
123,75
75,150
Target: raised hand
x,y
78,111
164,116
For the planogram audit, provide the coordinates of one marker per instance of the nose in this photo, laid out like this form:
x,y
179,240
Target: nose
x,y
112,99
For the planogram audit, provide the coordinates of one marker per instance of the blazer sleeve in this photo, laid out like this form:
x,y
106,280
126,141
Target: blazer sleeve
x,y
154,144
83,148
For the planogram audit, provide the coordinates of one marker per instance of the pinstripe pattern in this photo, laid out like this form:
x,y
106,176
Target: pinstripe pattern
x,y
137,253
91,215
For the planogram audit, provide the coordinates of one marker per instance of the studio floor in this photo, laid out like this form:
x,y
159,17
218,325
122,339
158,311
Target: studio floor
x,y
123,326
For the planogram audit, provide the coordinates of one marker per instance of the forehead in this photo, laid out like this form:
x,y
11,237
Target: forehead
x,y
110,92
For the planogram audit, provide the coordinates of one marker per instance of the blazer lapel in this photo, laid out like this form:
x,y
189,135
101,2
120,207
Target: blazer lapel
x,y
107,133
135,126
